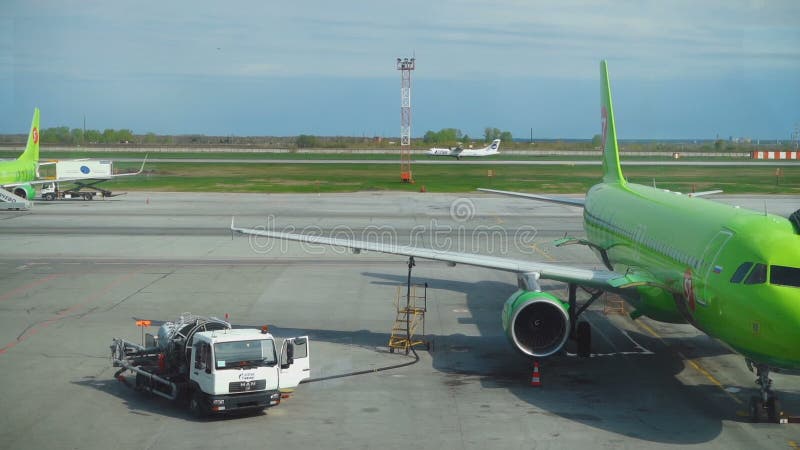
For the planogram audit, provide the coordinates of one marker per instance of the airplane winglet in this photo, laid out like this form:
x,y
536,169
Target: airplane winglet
x,y
143,162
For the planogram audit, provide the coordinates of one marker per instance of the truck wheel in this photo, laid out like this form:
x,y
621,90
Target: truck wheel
x,y
196,405
49,196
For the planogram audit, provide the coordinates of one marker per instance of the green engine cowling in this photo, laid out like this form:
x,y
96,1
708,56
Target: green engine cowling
x,y
25,191
536,323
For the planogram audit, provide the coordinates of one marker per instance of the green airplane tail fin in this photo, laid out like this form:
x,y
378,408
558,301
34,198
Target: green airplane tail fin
x,y
612,172
31,152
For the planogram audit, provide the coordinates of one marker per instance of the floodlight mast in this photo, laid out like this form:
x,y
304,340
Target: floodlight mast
x,y
405,66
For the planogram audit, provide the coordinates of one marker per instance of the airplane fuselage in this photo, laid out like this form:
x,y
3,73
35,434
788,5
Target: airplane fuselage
x,y
695,247
463,153
458,152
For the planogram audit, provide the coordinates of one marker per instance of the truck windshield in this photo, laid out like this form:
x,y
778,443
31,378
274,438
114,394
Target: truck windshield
x,y
258,352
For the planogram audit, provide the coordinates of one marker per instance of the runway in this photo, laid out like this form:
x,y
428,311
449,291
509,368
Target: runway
x,y
471,161
75,274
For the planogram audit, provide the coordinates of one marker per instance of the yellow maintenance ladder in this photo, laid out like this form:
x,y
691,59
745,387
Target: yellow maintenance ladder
x,y
614,305
409,323
410,319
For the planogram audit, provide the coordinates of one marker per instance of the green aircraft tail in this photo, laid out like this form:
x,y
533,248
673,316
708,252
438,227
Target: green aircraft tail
x,y
612,172
31,153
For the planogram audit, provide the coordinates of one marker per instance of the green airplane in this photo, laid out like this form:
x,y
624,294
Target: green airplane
x,y
19,176
731,272
16,175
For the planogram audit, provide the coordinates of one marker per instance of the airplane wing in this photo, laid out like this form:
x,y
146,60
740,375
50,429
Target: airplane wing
x,y
604,279
704,193
64,180
456,151
561,200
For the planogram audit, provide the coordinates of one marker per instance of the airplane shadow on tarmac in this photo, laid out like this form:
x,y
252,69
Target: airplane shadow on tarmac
x,y
629,386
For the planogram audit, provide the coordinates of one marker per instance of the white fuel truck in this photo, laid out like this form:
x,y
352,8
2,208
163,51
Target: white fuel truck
x,y
217,368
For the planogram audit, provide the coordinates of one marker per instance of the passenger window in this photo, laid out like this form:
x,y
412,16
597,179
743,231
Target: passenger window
x,y
741,272
758,275
784,276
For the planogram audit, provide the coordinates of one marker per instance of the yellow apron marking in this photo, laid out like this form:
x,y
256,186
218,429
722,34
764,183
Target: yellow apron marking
x,y
696,365
541,252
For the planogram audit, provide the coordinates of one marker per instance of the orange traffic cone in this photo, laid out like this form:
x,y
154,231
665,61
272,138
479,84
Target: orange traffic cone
x,y
535,380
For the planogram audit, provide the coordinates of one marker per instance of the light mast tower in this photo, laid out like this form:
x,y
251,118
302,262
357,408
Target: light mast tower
x,y
405,66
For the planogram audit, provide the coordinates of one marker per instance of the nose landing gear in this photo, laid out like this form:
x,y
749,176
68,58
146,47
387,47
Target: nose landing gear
x,y
764,407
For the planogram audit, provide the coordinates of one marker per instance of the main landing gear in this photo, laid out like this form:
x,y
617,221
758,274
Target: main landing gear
x,y
764,407
582,333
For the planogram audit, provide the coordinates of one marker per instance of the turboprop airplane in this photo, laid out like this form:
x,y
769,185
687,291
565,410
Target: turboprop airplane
x,y
733,273
19,176
458,152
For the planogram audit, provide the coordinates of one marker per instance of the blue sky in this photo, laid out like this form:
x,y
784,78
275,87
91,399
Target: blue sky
x,y
679,69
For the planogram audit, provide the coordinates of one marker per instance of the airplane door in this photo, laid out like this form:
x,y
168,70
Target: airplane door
x,y
709,267
295,363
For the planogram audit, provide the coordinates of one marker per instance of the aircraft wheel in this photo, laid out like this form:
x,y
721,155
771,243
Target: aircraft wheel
x,y
773,409
756,410
584,337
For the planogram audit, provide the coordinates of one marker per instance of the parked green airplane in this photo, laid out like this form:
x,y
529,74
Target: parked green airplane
x,y
731,272
16,175
19,176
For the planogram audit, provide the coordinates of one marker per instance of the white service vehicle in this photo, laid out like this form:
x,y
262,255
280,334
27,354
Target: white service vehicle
x,y
81,176
217,368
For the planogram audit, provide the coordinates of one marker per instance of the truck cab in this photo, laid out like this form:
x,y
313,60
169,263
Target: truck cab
x,y
238,369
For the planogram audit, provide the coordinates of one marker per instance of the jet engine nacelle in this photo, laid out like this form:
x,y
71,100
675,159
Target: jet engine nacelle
x,y
537,323
25,191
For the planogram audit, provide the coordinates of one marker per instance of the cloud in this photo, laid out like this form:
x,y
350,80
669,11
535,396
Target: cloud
x,y
362,38
131,55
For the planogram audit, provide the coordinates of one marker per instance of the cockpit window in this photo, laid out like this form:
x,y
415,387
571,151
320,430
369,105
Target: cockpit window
x,y
785,276
758,275
741,272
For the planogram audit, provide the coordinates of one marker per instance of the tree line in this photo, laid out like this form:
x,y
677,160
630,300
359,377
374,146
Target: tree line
x,y
77,136
454,136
